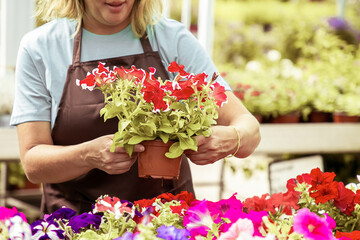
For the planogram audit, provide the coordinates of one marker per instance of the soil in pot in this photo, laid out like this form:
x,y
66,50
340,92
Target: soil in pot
x,y
153,162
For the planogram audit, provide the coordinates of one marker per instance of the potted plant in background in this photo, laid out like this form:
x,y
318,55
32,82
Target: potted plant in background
x,y
334,83
347,108
152,111
272,87
251,90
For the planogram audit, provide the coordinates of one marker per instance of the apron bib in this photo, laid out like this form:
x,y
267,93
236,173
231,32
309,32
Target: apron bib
x,y
78,120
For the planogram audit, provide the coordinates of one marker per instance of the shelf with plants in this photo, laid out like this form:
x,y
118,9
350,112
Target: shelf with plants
x,y
322,50
274,86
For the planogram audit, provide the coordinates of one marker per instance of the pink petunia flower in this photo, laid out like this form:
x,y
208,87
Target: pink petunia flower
x,y
312,226
198,220
243,229
7,213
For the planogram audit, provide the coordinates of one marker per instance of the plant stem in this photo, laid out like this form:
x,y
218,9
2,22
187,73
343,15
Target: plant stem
x,y
110,230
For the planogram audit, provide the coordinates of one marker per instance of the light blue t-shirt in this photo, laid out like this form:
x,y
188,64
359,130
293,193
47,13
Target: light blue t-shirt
x,y
46,53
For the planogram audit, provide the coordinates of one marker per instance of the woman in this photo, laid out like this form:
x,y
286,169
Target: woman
x,y
63,142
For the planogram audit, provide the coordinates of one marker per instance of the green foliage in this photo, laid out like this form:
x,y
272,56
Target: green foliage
x,y
328,58
334,82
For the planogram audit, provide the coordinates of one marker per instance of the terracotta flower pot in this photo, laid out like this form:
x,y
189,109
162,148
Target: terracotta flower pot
x,y
316,116
340,117
153,162
289,118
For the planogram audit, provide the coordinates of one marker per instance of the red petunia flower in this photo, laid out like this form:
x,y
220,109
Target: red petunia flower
x,y
219,94
354,235
182,90
320,178
174,67
154,93
292,183
345,200
257,204
325,192
144,203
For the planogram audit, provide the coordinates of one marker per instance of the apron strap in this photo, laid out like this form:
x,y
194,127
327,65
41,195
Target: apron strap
x,y
145,43
77,48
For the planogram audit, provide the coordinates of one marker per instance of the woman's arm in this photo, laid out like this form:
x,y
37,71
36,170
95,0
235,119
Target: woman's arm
x,y
233,116
44,162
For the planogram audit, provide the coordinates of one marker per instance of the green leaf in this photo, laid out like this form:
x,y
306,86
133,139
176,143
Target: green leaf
x,y
103,111
181,123
111,112
187,143
190,132
123,125
148,128
174,151
118,137
194,126
164,137
91,235
178,105
166,129
129,149
138,139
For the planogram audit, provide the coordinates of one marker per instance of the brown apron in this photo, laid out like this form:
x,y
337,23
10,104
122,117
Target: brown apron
x,y
78,120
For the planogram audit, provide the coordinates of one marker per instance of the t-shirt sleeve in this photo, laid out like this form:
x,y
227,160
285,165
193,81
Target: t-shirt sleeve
x,y
32,99
176,43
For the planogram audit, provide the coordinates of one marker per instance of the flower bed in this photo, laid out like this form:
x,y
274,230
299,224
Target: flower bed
x,y
314,207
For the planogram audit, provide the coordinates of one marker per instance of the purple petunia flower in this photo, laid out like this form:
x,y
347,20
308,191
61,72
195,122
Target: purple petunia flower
x,y
61,213
172,233
42,230
338,23
84,220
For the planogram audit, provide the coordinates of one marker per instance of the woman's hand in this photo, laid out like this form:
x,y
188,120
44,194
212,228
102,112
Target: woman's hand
x,y
99,156
237,133
222,142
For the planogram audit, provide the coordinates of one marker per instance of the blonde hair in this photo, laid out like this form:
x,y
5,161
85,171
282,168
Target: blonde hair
x,y
144,13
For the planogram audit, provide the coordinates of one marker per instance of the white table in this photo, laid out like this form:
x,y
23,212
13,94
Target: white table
x,y
309,138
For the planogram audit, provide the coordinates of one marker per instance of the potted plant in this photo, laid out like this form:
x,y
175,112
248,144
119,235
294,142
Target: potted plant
x,y
272,87
289,101
150,109
252,93
347,108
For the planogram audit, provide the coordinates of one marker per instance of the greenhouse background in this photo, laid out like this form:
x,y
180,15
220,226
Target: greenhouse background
x,y
296,58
